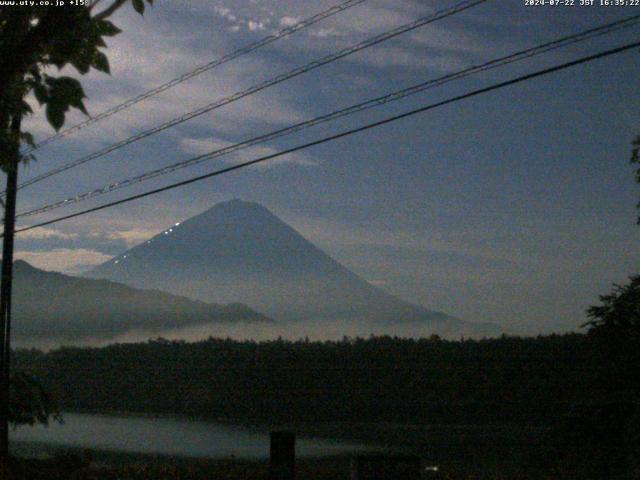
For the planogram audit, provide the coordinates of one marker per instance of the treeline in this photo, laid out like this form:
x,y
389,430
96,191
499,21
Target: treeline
x,y
519,380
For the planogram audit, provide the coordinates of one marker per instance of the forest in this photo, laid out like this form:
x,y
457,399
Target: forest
x,y
379,379
512,404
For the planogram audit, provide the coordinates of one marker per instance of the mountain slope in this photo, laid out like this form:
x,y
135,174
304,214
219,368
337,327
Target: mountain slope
x,y
240,252
56,306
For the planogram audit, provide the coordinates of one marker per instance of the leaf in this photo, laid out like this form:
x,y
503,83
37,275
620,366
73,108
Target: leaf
x,y
55,115
138,6
68,87
79,104
64,92
26,108
27,138
59,64
40,92
70,93
82,62
28,158
107,29
101,63
35,73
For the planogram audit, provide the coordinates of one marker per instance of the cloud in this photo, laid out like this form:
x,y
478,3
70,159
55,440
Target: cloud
x,y
289,21
225,13
391,56
325,32
255,25
131,237
200,146
65,260
138,64
43,233
252,24
145,56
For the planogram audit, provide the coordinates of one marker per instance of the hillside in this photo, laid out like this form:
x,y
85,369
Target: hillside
x,y
49,305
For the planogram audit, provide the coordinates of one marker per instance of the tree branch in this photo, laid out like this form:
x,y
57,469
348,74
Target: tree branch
x,y
111,10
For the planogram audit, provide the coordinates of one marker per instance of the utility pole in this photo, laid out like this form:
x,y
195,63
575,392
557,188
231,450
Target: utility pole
x,y
11,169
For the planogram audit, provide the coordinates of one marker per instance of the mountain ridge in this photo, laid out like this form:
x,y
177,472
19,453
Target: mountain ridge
x,y
52,305
239,251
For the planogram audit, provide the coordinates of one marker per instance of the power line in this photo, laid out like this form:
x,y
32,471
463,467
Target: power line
x,y
441,14
204,68
391,97
266,84
346,133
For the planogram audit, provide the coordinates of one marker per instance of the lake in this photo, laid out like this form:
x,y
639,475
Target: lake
x,y
168,436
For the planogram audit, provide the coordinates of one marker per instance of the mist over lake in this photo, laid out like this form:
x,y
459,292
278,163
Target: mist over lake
x,y
168,436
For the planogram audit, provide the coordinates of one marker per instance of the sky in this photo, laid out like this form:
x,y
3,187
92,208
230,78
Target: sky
x,y
515,207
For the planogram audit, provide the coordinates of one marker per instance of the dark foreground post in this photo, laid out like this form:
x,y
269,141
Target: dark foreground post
x,y
385,467
282,461
5,296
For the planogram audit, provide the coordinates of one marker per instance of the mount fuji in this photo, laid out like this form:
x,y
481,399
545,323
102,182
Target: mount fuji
x,y
240,252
